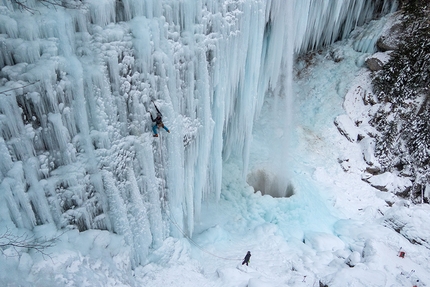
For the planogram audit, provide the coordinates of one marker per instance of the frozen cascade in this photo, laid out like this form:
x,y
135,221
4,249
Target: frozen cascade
x,y
77,83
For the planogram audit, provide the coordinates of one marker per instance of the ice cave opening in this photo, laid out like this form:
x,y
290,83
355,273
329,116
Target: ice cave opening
x,y
269,183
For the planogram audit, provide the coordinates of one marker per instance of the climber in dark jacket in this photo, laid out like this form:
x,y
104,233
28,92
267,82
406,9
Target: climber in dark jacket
x,y
247,258
158,122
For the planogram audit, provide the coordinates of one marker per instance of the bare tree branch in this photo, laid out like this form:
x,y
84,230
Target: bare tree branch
x,y
70,4
12,89
15,241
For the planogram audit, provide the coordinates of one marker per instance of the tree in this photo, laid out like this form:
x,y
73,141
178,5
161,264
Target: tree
x,y
403,89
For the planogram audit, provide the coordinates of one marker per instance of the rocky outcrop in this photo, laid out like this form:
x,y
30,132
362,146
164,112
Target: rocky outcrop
x,y
391,39
374,64
388,181
401,218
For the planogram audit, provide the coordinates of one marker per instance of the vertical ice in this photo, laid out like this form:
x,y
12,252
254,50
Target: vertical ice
x,y
76,145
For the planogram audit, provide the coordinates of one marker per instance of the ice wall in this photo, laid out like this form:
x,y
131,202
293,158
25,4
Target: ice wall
x,y
77,82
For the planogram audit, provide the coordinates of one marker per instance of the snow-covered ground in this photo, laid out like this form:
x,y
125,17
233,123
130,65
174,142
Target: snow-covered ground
x,y
323,225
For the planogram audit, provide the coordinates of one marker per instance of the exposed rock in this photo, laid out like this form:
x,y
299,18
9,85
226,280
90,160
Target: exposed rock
x,y
345,164
391,39
374,64
369,98
337,55
373,170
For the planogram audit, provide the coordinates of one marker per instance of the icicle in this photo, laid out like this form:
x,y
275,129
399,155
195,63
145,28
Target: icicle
x,y
6,161
48,28
8,26
27,53
36,192
28,28
14,214
102,12
18,201
117,208
61,137
147,184
133,8
138,218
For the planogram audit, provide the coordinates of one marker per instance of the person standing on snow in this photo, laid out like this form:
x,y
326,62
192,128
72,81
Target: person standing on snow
x,y
158,122
247,258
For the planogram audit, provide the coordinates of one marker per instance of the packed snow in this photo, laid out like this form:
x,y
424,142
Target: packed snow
x,y
293,188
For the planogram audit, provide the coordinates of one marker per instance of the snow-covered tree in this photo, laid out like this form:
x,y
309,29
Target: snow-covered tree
x,y
402,87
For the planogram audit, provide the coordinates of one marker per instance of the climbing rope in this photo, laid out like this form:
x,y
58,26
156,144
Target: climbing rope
x,y
161,149
2,92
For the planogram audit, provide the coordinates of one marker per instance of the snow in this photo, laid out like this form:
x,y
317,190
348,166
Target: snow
x,y
346,127
254,160
389,181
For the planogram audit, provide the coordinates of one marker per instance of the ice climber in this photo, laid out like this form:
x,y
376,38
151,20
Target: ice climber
x,y
158,122
247,258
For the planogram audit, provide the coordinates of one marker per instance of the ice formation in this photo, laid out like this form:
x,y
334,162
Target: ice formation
x,y
77,82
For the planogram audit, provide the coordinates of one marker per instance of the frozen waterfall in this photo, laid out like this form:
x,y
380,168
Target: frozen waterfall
x,y
77,82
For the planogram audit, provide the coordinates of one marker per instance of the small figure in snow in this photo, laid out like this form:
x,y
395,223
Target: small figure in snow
x,y
158,122
247,258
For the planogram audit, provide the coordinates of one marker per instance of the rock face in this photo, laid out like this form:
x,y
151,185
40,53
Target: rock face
x,y
391,39
374,64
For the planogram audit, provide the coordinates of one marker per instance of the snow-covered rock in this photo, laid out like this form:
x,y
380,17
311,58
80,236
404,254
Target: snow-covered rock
x,y
411,221
368,147
390,39
347,127
374,64
324,242
353,259
389,181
